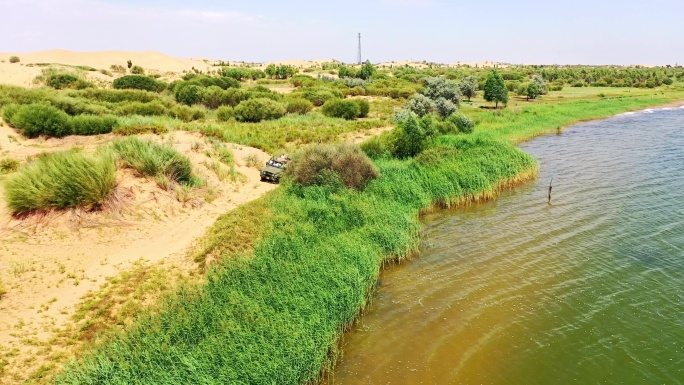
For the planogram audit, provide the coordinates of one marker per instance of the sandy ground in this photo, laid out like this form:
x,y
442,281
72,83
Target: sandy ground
x,y
48,263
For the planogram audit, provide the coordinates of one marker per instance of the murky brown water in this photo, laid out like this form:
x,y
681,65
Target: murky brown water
x,y
587,290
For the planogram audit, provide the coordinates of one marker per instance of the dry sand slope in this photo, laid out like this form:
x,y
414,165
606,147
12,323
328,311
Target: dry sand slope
x,y
48,263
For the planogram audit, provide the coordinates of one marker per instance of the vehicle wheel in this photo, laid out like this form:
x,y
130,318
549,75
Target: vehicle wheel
x,y
262,179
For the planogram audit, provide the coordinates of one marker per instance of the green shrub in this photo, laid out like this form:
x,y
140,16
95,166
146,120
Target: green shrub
x,y
189,94
61,81
138,82
668,81
153,160
224,113
186,114
464,123
298,106
319,96
144,109
77,106
135,125
364,107
8,112
41,119
420,105
409,138
92,124
14,59
325,165
256,110
117,96
341,108
137,70
61,180
444,107
8,165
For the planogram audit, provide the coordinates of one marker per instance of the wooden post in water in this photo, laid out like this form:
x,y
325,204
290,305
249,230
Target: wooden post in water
x,y
550,187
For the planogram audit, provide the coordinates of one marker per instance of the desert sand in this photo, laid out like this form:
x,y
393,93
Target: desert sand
x,y
48,263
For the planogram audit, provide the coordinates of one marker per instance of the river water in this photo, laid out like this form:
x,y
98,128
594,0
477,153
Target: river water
x,y
586,290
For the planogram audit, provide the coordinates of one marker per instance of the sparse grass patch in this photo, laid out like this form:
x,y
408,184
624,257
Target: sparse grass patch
x,y
8,165
61,180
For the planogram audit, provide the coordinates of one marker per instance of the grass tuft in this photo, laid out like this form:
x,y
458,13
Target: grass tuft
x,y
61,180
154,160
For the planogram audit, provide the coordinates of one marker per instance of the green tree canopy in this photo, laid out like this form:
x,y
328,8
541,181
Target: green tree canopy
x,y
468,86
495,89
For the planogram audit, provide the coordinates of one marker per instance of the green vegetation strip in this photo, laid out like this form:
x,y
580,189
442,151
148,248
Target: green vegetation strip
x,y
276,316
273,318
518,124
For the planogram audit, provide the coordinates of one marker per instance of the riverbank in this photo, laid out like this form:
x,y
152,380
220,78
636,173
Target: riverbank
x,y
275,313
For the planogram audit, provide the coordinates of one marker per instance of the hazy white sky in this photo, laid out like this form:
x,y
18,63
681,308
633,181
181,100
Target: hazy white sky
x,y
523,31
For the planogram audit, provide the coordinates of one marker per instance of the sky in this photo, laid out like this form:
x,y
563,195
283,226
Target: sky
x,y
518,32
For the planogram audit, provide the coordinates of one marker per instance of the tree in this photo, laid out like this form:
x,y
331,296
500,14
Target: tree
x,y
468,87
367,71
130,64
541,84
439,87
410,138
270,71
420,105
495,88
532,90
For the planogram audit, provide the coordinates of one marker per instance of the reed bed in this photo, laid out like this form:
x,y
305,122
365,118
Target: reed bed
x,y
276,316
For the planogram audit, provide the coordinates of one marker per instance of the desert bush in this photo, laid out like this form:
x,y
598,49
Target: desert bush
x,y
189,94
364,107
298,106
256,110
469,87
420,105
137,70
77,106
92,124
321,95
462,122
224,113
444,107
409,138
41,119
145,109
61,180
14,59
213,97
341,108
242,73
440,87
153,160
138,82
118,68
186,114
8,112
8,165
135,125
61,81
322,164
117,96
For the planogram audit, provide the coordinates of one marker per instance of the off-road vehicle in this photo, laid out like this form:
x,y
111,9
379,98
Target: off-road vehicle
x,y
274,168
